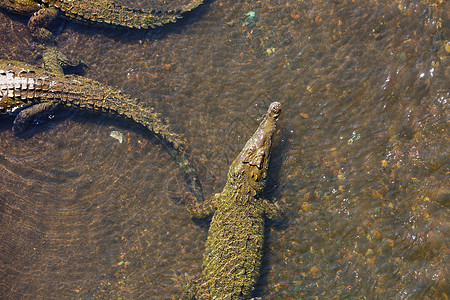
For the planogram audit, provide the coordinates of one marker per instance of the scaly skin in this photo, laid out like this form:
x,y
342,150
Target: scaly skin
x,y
234,247
103,12
31,90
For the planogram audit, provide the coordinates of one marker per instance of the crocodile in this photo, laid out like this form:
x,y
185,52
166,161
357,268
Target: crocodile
x,y
26,91
102,12
234,246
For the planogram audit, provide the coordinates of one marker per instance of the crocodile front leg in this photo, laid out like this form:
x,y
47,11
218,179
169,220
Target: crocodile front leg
x,y
273,211
200,210
41,19
55,61
25,117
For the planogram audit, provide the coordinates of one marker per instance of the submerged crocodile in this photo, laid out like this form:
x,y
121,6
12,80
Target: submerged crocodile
x,y
103,12
29,90
234,247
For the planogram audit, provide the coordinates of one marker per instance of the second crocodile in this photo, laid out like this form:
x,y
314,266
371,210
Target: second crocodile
x,y
31,90
103,12
234,247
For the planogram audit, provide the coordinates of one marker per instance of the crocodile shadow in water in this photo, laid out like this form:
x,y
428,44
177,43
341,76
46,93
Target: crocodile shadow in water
x,y
280,149
133,35
56,117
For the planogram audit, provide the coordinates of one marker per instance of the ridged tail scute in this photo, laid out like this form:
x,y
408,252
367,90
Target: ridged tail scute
x,y
114,14
20,89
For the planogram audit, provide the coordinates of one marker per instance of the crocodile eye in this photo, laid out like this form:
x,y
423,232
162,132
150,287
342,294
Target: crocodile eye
x,y
248,155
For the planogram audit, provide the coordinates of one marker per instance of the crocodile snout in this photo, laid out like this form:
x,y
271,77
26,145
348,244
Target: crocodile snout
x,y
275,109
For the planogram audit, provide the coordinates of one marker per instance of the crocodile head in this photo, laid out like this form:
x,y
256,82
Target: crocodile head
x,y
248,171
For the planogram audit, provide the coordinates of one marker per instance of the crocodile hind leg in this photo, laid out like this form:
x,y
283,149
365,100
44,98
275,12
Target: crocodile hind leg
x,y
200,210
41,19
55,61
26,116
273,211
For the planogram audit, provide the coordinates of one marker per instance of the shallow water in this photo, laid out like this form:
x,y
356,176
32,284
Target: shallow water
x,y
360,157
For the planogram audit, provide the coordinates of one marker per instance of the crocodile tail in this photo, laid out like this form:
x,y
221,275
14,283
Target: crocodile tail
x,y
152,120
21,83
183,161
114,14
174,146
122,104
89,94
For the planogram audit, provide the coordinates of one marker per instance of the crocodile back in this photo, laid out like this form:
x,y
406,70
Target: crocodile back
x,y
107,12
234,247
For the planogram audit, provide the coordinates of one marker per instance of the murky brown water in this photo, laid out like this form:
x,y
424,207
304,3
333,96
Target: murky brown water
x,y
360,158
